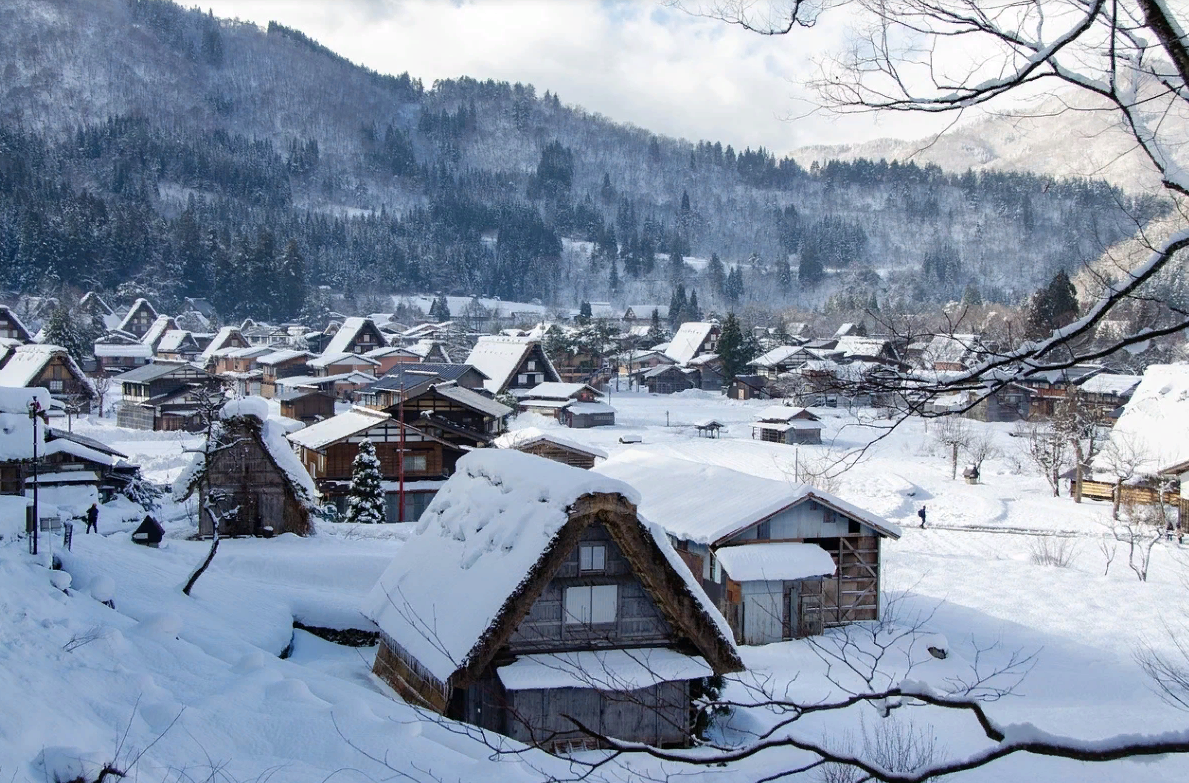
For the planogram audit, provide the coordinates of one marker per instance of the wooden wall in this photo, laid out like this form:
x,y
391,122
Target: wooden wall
x,y
559,454
658,715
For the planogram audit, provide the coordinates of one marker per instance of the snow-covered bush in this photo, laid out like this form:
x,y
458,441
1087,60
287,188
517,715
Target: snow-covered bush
x,y
366,499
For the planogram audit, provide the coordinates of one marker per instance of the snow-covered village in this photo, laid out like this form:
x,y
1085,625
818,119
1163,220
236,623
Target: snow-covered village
x,y
355,429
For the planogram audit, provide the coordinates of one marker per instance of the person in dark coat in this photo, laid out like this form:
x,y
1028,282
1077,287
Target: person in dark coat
x,y
93,518
921,514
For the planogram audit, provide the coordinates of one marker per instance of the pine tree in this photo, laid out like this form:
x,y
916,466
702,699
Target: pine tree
x,y
717,274
192,260
613,282
656,332
677,305
784,274
584,313
365,501
292,281
1051,307
692,310
63,330
676,263
732,350
439,310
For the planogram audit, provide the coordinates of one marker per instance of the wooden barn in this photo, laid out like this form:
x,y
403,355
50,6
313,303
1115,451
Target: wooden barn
x,y
305,404
780,562
11,327
582,610
49,367
139,319
161,396
254,476
670,379
284,363
532,440
749,387
787,424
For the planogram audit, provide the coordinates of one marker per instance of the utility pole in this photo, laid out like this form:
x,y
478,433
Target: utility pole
x,y
34,413
400,455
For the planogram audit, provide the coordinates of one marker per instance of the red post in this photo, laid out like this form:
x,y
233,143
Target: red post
x,y
400,457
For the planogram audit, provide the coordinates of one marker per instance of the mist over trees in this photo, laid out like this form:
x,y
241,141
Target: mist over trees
x,y
208,157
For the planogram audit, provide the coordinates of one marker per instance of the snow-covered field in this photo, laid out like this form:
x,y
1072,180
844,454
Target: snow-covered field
x,y
199,683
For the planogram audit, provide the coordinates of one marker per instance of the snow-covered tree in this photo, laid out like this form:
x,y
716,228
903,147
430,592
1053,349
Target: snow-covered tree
x,y
365,502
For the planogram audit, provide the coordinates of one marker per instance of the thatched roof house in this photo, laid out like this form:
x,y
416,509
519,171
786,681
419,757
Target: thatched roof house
x,y
255,478
560,601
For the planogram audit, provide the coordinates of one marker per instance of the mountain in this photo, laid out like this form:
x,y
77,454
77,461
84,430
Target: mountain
x,y
1071,135
149,149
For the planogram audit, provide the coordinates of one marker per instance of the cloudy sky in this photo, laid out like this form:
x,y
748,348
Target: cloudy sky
x,y
635,61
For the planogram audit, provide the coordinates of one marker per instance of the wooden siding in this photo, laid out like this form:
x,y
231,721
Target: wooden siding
x,y
561,454
638,620
658,715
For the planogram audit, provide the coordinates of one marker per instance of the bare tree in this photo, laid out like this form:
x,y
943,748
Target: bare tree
x,y
102,384
980,448
1081,425
1045,449
952,432
209,405
1122,457
1140,527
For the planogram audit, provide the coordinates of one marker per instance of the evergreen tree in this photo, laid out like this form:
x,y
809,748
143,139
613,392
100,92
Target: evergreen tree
x,y
656,332
647,255
193,263
677,306
784,274
439,310
685,210
1051,307
292,281
63,329
676,264
811,271
731,348
613,282
262,277
692,310
584,313
607,192
717,274
365,500
971,296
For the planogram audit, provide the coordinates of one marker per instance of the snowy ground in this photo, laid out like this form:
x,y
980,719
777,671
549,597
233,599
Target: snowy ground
x,y
201,680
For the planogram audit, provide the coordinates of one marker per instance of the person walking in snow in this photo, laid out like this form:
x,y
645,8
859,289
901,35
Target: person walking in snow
x,y
93,518
921,514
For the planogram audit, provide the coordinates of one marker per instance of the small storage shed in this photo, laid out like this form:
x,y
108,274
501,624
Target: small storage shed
x,y
149,533
787,424
583,415
562,603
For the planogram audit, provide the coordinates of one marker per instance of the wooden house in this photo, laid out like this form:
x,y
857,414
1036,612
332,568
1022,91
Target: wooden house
x,y
425,398
100,312
117,352
670,379
693,338
1108,393
787,424
338,363
284,363
952,352
782,359
328,449
581,611
711,375
157,329
227,338
138,320
17,434
305,404
178,345
511,363
642,314
584,415
430,351
1010,402
406,379
356,335
71,458
258,485
48,367
781,562
532,440
547,398
162,396
1049,387
749,387
345,386
389,356
11,326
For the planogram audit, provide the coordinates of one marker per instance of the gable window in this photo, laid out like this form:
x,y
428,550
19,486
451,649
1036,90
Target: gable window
x,y
55,385
592,557
591,604
764,530
522,379
532,364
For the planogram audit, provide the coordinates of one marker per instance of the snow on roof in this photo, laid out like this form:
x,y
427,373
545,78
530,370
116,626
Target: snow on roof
x,y
425,347
16,428
27,361
339,427
785,426
283,355
91,298
136,351
694,501
345,335
172,340
157,329
1111,384
127,320
1154,421
689,338
645,311
589,407
473,399
855,345
553,390
704,503
220,339
951,348
342,357
473,548
67,446
776,356
605,670
356,377
784,413
775,561
272,436
248,352
529,436
499,357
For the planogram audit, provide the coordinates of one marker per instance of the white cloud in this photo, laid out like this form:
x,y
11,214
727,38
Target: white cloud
x,y
634,62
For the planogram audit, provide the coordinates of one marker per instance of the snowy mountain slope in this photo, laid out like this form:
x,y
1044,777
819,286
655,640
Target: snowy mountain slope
x,y
1068,136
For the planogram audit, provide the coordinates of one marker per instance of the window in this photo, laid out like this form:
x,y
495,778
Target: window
x,y
591,604
56,386
532,364
522,379
764,530
592,557
415,463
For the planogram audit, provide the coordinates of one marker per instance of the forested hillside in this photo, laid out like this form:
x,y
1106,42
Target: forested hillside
x,y
176,154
